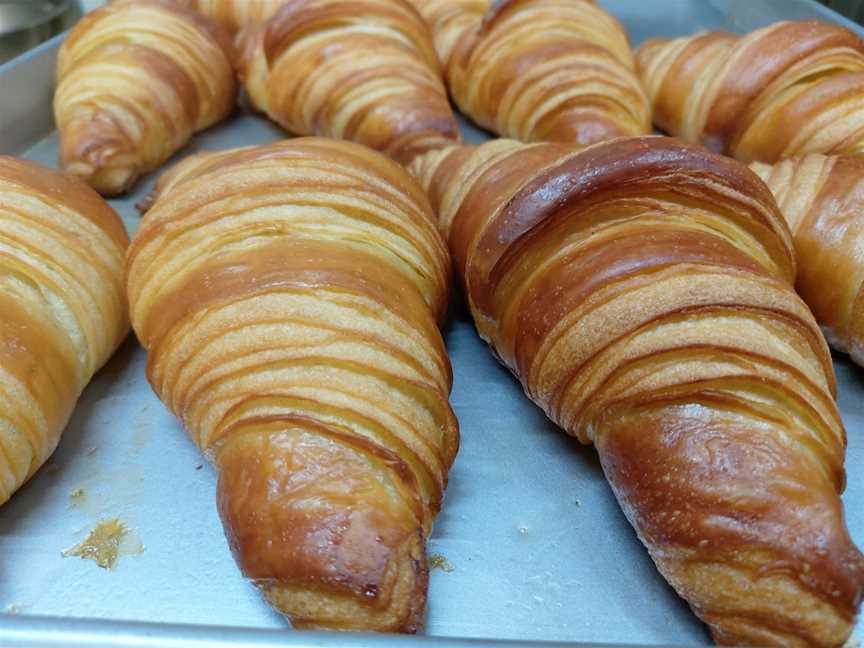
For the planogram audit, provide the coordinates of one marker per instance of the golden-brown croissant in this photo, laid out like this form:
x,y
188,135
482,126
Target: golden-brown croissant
x,y
62,307
538,70
287,296
641,291
822,198
782,91
136,79
361,70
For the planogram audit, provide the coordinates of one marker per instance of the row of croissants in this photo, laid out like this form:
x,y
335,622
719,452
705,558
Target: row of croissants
x,y
641,288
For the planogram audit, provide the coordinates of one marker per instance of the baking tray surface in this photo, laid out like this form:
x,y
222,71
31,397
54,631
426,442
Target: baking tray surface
x,y
539,549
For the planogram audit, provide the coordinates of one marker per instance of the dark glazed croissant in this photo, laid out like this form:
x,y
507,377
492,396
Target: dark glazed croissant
x,y
287,296
822,199
641,291
538,70
361,70
136,79
62,307
782,91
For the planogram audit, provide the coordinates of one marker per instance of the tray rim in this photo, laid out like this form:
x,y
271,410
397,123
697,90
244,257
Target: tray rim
x,y
31,114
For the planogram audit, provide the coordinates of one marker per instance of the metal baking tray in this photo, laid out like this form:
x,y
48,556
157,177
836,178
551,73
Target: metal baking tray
x,y
538,546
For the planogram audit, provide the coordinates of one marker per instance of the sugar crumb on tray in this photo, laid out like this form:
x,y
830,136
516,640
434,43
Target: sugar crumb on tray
x,y
439,561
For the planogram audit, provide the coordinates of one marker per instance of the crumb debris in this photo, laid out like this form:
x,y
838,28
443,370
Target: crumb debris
x,y
578,502
91,451
439,561
199,466
109,540
77,497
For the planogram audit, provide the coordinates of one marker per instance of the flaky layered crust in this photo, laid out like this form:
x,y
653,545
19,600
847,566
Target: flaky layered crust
x,y
62,307
234,15
361,70
135,80
287,296
822,198
538,70
783,91
641,291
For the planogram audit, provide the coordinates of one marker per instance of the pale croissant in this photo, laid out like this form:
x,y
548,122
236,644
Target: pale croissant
x,y
361,70
62,307
782,91
136,79
538,70
822,198
287,296
641,291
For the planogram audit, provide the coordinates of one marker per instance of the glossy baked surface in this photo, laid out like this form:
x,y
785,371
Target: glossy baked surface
x,y
288,297
641,291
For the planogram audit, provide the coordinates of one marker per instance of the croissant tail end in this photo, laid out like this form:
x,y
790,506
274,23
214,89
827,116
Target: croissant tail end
x,y
310,523
309,610
97,154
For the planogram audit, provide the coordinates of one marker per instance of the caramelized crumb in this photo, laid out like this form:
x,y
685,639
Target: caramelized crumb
x,y
105,544
438,561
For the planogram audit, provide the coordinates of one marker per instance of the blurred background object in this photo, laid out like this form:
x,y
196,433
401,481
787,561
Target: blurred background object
x,y
853,9
26,23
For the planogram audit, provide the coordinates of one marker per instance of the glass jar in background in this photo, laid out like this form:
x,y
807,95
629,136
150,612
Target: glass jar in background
x,y
853,9
26,23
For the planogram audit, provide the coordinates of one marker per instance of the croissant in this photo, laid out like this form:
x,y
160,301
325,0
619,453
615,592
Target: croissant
x,y
361,70
136,79
782,91
62,303
538,70
822,199
641,291
287,296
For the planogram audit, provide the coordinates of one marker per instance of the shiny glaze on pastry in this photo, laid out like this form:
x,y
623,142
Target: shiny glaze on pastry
x,y
287,296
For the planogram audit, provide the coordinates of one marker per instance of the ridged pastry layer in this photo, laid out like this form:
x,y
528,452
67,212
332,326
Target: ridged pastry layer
x,y
779,92
360,70
641,291
287,296
62,307
539,70
135,80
